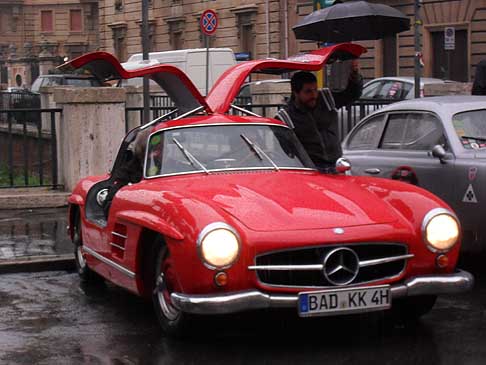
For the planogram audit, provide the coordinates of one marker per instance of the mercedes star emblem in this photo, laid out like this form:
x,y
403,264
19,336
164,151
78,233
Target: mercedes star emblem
x,y
341,266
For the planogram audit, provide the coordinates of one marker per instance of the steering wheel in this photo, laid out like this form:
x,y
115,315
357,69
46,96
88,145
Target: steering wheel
x,y
226,162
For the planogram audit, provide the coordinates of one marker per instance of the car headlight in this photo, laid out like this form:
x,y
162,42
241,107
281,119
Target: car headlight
x,y
440,229
219,245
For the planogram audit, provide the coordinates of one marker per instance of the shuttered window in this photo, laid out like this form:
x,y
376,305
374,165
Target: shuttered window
x,y
76,21
47,21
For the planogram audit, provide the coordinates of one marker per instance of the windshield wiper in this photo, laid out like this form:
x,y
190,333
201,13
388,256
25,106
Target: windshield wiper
x,y
258,151
479,138
189,156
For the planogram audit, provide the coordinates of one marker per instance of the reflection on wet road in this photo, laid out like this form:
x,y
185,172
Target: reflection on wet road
x,y
48,318
33,233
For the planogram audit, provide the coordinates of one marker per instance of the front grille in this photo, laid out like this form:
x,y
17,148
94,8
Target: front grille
x,y
296,277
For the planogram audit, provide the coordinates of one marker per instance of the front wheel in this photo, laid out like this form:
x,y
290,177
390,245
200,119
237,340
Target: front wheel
x,y
85,273
412,308
173,321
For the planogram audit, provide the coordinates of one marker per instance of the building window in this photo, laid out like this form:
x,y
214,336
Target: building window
x,y
47,21
245,23
176,31
119,40
75,20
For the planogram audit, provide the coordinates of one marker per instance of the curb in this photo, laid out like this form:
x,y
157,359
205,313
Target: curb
x,y
36,264
30,198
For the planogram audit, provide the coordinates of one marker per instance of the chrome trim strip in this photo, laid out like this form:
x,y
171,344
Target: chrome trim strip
x,y
117,246
119,235
385,260
190,112
287,267
232,169
245,111
316,267
145,126
103,259
458,282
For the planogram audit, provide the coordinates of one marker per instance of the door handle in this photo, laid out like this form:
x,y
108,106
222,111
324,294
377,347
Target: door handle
x,y
374,171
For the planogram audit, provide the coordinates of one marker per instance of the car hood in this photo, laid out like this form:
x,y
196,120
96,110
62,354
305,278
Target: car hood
x,y
279,201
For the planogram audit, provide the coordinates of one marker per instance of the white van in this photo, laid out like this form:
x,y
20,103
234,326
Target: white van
x,y
191,61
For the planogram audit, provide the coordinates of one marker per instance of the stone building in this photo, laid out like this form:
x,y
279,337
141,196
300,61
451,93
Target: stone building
x,y
36,35
395,55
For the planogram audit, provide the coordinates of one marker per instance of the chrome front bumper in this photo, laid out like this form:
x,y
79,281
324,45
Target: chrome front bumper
x,y
458,282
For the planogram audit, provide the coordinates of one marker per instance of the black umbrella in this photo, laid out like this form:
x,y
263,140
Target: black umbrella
x,y
351,21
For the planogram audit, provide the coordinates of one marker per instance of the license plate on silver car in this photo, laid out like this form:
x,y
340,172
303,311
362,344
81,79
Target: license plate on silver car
x,y
344,301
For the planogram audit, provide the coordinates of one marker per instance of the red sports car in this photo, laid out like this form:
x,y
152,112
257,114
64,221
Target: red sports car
x,y
231,215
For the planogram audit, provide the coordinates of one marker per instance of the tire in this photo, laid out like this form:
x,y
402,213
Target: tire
x,y
173,322
85,273
412,308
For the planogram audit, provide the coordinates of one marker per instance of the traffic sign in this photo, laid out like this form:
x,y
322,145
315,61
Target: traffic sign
x,y
449,38
208,22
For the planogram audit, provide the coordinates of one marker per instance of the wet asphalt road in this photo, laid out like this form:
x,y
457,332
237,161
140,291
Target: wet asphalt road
x,y
49,318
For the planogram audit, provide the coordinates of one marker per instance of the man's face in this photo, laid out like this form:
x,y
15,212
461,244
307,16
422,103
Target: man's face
x,y
307,96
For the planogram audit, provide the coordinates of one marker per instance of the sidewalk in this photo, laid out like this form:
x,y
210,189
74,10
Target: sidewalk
x,y
34,240
25,198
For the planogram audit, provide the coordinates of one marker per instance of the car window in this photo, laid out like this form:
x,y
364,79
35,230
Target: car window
x,y
470,127
81,82
51,81
370,90
367,135
393,90
413,131
224,147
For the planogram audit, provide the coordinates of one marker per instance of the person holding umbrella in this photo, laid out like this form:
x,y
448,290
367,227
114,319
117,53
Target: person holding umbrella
x,y
312,113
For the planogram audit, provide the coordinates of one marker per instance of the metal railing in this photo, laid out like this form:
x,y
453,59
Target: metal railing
x,y
348,116
19,100
28,148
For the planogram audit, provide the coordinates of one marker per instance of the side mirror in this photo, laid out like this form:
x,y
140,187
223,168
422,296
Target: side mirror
x,y
343,166
439,152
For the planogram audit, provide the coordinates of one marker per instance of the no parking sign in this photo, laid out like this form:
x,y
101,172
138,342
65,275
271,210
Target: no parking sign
x,y
208,22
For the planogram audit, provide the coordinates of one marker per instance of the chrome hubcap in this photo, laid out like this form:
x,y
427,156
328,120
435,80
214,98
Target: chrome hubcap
x,y
163,295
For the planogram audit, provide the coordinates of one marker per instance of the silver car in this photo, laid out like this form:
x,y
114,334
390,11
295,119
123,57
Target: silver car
x,y
437,143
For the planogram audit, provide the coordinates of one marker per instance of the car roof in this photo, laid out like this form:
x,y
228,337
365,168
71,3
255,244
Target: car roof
x,y
442,105
217,119
409,79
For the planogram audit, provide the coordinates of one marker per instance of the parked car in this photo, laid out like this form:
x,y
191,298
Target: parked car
x,y
395,88
437,143
64,80
231,215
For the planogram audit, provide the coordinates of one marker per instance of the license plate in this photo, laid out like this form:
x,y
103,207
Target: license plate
x,y
344,301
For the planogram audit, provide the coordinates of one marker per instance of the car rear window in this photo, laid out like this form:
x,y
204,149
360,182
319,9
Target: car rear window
x,y
470,127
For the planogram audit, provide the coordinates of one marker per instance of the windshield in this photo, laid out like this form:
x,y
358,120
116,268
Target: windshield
x,y
221,147
471,128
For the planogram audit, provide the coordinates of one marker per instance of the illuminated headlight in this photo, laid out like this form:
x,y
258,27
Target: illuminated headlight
x,y
219,245
441,230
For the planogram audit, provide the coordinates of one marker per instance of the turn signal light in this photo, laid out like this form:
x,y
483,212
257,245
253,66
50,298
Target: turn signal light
x,y
221,279
442,261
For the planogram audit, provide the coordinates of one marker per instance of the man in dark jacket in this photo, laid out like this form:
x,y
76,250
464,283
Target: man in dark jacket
x,y
312,113
479,84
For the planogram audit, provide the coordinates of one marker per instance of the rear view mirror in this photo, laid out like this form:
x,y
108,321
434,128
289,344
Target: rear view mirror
x,y
343,166
439,152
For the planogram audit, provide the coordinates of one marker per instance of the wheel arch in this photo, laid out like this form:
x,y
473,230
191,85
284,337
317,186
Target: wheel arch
x,y
147,249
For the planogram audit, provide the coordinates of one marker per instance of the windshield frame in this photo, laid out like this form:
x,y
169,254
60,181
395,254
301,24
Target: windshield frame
x,y
263,168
